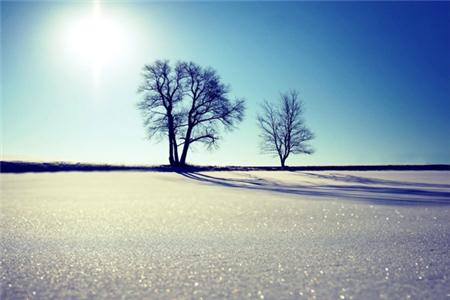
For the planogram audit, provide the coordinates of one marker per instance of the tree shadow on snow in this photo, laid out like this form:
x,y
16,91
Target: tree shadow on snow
x,y
377,191
375,181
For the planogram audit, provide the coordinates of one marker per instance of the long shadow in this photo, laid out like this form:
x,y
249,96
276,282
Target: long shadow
x,y
377,181
374,194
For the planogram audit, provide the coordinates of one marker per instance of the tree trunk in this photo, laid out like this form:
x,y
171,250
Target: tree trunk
x,y
175,149
173,153
184,154
170,151
186,146
283,165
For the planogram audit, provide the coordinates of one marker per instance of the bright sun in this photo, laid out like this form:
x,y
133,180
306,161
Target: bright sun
x,y
96,39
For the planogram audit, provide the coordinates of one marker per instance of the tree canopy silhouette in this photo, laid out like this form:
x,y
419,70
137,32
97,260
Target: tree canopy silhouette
x,y
283,129
186,104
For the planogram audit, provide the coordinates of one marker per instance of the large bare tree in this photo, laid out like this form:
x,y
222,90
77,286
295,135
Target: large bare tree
x,y
162,89
186,104
283,129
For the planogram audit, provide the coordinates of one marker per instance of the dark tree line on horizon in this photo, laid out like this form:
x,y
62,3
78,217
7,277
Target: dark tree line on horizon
x,y
190,104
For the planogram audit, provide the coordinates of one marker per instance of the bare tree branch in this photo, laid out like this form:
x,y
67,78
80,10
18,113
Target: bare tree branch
x,y
188,104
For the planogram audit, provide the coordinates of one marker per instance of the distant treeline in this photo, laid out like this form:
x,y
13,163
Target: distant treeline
x,y
24,167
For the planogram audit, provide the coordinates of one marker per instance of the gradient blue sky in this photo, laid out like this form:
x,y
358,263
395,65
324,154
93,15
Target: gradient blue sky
x,y
375,78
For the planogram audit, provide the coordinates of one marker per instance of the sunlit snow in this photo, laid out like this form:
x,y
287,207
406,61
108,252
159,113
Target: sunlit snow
x,y
258,235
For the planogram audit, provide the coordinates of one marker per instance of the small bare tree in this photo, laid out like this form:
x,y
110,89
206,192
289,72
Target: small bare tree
x,y
283,129
186,104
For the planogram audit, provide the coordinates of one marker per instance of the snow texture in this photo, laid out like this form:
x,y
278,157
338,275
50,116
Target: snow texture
x,y
258,235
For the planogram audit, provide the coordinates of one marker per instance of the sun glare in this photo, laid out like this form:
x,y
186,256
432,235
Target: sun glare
x,y
96,39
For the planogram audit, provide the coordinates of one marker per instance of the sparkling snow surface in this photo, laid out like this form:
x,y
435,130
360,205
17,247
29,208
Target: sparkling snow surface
x,y
271,235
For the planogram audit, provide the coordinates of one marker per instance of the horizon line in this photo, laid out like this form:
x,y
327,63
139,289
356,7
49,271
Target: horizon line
x,y
18,166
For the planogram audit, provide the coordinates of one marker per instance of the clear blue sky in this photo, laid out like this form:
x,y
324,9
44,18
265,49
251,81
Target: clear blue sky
x,y
375,77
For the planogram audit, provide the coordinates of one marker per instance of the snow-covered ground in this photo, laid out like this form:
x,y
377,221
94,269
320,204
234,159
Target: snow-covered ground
x,y
272,235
